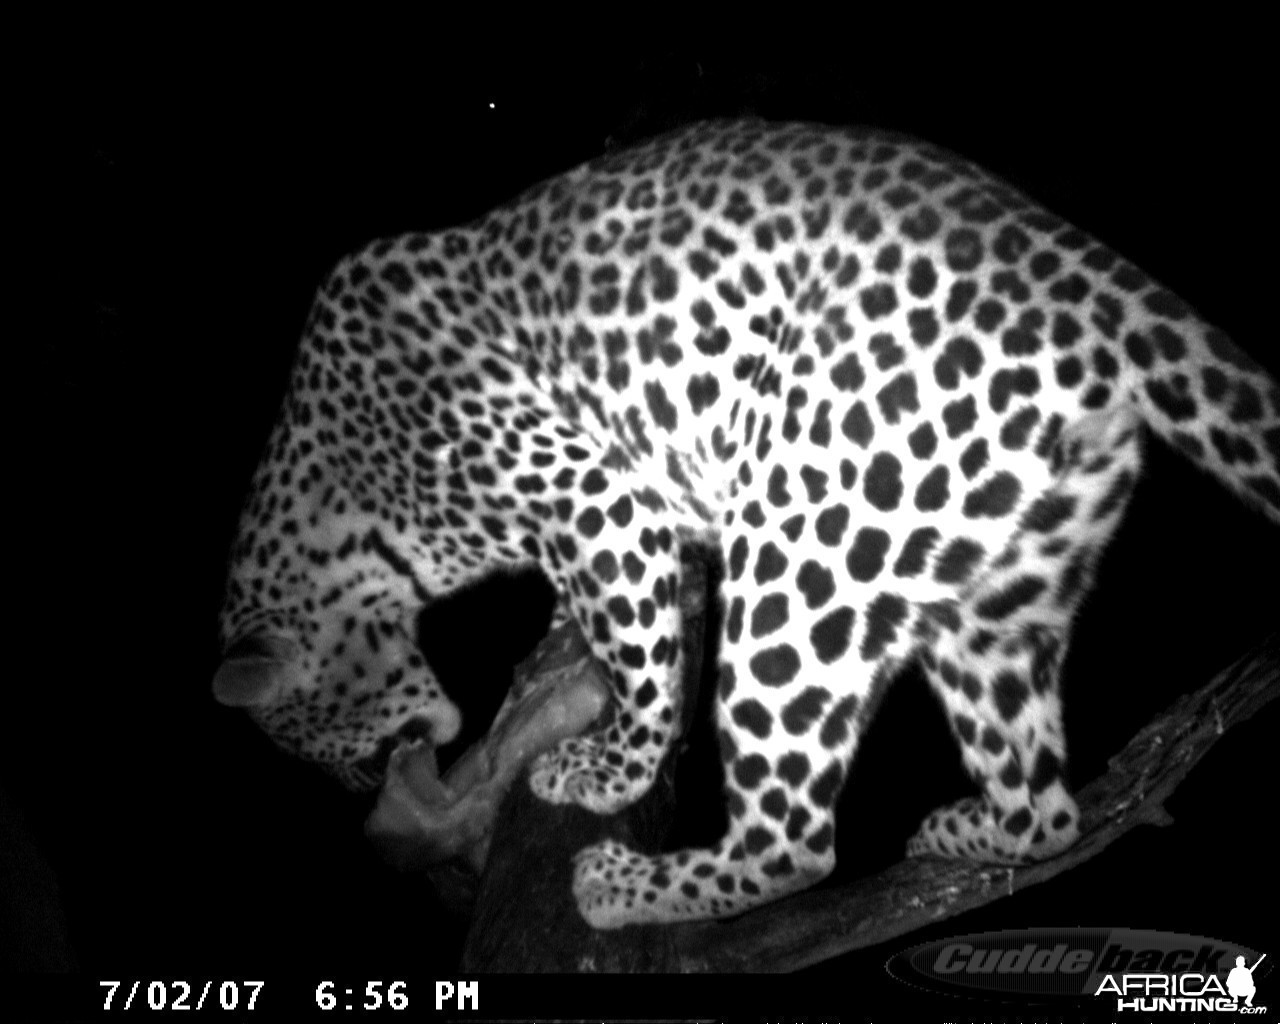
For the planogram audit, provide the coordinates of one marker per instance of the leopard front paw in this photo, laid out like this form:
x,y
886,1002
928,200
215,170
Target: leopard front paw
x,y
602,886
577,771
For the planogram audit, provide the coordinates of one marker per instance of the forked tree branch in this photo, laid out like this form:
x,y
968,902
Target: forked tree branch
x,y
525,918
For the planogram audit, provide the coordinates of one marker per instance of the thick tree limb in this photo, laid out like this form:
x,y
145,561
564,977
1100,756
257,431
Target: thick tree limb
x,y
525,918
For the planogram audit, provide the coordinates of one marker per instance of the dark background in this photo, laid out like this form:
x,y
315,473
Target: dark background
x,y
154,831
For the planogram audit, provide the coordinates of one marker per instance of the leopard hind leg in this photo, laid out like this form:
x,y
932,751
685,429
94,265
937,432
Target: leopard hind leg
x,y
997,674
1004,709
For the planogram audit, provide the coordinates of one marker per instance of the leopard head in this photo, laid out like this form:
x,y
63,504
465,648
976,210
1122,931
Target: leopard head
x,y
327,662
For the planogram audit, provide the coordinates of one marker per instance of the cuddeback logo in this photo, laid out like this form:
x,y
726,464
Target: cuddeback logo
x,y
1130,970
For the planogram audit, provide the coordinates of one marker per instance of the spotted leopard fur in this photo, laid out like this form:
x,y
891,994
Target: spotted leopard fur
x,y
905,400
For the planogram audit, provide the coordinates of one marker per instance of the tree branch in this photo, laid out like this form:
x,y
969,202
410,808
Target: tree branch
x,y
820,924
525,918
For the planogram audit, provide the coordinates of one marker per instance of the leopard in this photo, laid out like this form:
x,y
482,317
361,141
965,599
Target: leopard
x,y
906,405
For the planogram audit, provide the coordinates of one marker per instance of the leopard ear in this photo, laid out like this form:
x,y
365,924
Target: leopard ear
x,y
252,672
